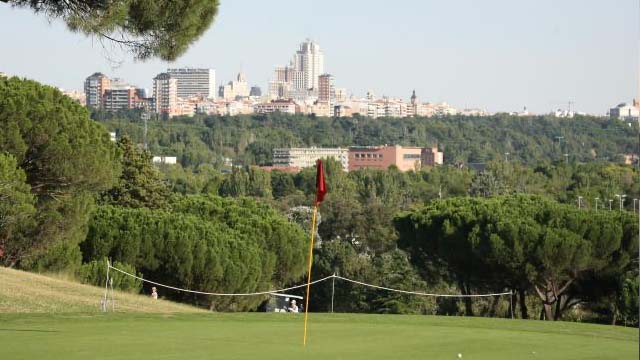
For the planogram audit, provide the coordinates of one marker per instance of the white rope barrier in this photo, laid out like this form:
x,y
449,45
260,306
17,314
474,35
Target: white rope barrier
x,y
419,293
313,282
219,294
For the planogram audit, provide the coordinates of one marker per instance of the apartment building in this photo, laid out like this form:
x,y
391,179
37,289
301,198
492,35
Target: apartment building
x,y
307,157
381,157
94,89
165,93
283,106
192,82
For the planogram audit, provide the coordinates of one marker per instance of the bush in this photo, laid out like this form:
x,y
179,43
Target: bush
x,y
95,273
205,243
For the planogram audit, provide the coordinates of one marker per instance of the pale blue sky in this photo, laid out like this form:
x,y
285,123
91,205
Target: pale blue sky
x,y
496,54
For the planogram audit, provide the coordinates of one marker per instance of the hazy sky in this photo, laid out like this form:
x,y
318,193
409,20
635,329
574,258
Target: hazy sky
x,y
495,54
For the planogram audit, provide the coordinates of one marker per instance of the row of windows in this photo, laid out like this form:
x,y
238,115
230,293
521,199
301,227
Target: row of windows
x,y
411,156
368,156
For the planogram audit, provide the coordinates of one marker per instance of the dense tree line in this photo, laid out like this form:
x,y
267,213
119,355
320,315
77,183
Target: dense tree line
x,y
204,243
360,238
525,244
249,140
69,195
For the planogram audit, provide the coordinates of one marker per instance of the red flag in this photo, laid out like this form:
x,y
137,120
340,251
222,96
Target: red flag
x,y
321,186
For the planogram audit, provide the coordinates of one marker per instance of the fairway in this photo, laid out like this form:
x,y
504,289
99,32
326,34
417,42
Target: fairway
x,y
279,336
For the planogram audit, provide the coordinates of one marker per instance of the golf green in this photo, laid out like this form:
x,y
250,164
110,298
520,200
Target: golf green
x,y
331,336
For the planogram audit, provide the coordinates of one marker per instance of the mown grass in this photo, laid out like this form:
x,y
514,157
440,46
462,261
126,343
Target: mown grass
x,y
279,336
48,318
24,292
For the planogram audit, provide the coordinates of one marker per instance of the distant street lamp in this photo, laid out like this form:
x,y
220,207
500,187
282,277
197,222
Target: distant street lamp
x,y
506,157
621,199
610,201
579,202
559,138
597,203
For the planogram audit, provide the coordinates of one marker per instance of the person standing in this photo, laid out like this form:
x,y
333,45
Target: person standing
x,y
154,293
293,307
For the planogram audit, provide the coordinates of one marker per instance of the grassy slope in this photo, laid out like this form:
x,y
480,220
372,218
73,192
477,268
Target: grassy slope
x,y
23,292
279,336
41,317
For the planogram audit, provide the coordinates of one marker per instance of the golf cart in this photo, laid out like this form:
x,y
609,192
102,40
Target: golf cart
x,y
282,302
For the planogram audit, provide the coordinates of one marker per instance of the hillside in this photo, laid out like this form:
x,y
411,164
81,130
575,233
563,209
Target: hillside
x,y
24,292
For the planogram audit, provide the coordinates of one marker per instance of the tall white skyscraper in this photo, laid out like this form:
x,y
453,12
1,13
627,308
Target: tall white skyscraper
x,y
309,59
299,80
194,82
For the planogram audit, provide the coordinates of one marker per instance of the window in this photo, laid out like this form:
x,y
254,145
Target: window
x,y
411,156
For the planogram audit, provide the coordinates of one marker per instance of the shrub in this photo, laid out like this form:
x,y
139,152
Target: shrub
x,y
95,273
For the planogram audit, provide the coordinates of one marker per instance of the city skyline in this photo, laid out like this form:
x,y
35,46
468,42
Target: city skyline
x,y
498,56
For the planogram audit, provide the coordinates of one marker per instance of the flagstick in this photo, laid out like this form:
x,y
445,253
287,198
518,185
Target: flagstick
x,y
306,305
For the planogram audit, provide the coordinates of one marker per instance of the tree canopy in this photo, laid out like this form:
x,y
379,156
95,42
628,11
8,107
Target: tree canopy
x,y
523,243
250,139
206,243
56,155
148,28
140,184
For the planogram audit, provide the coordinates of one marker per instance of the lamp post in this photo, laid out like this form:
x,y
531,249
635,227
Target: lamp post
x,y
621,199
610,201
506,157
559,138
597,203
579,202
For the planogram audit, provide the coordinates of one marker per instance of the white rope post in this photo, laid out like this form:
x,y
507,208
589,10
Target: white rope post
x,y
333,289
511,303
113,299
106,288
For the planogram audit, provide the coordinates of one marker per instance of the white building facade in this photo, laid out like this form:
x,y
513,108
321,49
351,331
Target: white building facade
x,y
192,82
309,59
300,79
287,107
624,112
307,157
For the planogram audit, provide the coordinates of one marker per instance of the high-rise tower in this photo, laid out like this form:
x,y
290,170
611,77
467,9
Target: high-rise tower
x,y
300,79
165,93
309,59
94,89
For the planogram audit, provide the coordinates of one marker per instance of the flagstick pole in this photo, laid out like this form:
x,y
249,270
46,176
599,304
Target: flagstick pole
x,y
306,305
